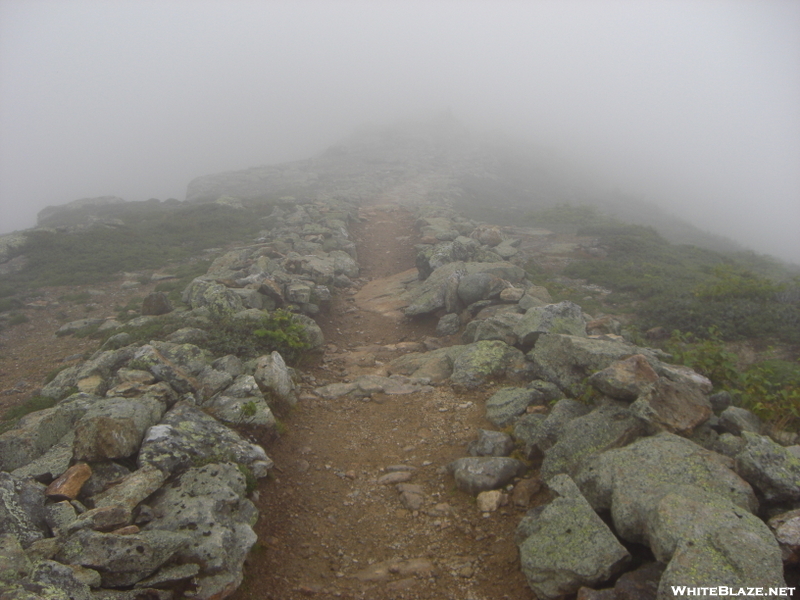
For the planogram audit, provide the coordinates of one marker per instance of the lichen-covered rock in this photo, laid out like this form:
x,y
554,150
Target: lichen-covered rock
x,y
115,427
122,560
274,379
207,504
186,435
786,528
14,563
567,360
484,360
60,577
22,509
676,407
606,427
131,489
220,300
567,546
630,481
540,432
716,543
505,405
477,474
565,318
770,468
736,420
497,327
491,443
479,286
625,379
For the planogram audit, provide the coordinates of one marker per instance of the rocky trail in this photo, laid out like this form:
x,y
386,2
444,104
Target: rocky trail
x,y
360,505
451,433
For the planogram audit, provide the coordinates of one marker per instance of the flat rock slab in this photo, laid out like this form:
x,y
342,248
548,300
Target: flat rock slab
x,y
384,295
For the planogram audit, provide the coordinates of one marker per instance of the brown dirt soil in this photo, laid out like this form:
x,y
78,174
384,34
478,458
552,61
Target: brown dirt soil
x,y
327,526
29,352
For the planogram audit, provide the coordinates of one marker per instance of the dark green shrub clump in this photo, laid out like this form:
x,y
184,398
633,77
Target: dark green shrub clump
x,y
279,331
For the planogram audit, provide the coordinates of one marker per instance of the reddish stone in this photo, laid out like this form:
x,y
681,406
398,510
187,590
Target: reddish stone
x,y
69,484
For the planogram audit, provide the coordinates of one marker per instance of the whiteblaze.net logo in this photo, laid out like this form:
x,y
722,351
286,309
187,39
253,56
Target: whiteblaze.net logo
x,y
724,590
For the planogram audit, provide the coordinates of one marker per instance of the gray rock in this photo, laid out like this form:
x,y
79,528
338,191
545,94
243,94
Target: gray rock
x,y
149,358
676,407
786,528
720,401
230,364
770,468
186,435
606,427
221,301
250,410
628,480
546,435
448,325
59,516
567,360
625,379
739,551
488,359
22,509
131,489
61,577
122,560
188,335
729,445
564,317
497,327
736,420
505,405
313,333
51,464
207,504
526,430
115,428
275,381
479,474
14,563
491,443
79,325
156,303
479,286
567,546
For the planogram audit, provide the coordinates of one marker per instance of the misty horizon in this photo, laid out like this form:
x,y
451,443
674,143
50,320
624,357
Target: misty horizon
x,y
694,107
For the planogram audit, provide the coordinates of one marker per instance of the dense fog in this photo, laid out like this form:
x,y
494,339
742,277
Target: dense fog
x,y
692,105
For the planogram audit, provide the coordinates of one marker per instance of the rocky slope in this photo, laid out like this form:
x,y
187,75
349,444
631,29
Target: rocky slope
x,y
449,431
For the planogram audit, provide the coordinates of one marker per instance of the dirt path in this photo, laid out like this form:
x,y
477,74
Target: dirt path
x,y
329,526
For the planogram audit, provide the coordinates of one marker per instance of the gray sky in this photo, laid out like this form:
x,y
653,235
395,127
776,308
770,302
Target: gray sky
x,y
694,104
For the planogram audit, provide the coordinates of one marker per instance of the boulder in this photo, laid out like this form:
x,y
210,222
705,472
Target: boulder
x,y
507,404
567,360
484,360
208,505
491,443
22,511
625,379
479,286
566,545
497,327
156,303
786,528
737,420
608,426
770,468
564,318
218,299
628,480
122,560
540,432
676,407
275,381
449,324
186,435
480,473
115,427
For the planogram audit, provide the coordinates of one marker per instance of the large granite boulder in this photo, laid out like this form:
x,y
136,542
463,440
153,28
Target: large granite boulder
x,y
565,318
208,505
567,360
565,545
625,379
608,426
769,467
482,361
220,300
677,407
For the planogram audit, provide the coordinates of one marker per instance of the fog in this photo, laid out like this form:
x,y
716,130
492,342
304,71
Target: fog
x,y
693,105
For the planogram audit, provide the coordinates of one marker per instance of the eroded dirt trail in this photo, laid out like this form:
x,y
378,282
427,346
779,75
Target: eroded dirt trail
x,y
330,525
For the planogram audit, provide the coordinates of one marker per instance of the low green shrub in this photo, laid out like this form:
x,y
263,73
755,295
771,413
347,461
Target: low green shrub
x,y
277,331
